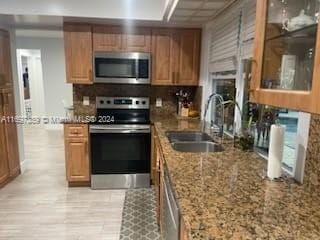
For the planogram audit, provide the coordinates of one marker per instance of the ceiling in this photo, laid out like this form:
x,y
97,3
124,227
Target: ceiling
x,y
197,12
150,10
50,14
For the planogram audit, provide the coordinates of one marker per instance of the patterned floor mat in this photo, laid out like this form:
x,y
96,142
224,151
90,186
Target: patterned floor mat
x,y
139,221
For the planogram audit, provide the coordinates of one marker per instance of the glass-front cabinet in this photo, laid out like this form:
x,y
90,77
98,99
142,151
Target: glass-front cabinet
x,y
286,63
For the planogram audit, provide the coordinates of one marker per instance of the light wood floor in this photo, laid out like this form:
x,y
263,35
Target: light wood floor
x,y
39,205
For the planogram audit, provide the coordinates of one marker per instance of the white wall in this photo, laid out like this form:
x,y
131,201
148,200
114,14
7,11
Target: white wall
x,y
54,75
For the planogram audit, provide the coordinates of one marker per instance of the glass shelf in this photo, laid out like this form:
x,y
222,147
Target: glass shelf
x,y
302,33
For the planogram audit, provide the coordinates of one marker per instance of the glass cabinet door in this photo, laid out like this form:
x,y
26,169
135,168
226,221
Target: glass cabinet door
x,y
290,44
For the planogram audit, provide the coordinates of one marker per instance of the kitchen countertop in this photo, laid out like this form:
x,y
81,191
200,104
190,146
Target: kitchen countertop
x,y
226,195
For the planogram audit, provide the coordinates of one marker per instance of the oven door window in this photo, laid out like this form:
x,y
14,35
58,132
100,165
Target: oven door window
x,y
120,153
115,68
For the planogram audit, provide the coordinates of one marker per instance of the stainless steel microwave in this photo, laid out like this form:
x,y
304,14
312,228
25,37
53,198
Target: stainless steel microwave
x,y
122,68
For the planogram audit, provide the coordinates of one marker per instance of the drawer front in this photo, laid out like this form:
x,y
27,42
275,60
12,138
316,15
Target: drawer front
x,y
75,130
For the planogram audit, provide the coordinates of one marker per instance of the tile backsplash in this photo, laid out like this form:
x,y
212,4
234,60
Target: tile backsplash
x,y
167,93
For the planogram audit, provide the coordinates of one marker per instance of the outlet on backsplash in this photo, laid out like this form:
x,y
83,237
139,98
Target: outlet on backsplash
x,y
158,102
86,101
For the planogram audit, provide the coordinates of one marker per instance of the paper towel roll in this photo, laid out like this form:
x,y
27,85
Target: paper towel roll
x,y
276,151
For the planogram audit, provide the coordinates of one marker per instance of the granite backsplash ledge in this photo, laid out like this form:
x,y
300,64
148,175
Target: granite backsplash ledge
x,y
167,93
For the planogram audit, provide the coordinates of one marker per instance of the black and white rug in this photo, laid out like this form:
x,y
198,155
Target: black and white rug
x,y
139,219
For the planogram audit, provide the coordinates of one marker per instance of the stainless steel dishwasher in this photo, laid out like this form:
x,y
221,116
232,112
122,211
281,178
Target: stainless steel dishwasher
x,y
170,219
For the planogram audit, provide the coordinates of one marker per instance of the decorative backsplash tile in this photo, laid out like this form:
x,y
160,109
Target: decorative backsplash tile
x,y
167,93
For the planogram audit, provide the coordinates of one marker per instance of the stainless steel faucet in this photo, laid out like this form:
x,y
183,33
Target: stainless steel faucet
x,y
216,129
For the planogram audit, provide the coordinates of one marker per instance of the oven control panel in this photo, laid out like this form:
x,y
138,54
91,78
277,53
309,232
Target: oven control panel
x,y
122,102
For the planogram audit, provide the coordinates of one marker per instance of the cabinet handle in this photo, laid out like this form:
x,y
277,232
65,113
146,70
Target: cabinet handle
x,y
173,77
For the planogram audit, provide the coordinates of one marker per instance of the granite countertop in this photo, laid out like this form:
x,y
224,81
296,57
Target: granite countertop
x,y
226,195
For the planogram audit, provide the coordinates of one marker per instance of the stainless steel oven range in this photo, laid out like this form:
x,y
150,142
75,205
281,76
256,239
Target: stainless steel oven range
x,y
120,143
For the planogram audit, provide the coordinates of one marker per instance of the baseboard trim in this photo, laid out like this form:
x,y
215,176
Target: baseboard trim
x,y
10,178
79,184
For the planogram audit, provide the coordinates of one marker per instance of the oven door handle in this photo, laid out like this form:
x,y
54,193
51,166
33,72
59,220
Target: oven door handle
x,y
94,129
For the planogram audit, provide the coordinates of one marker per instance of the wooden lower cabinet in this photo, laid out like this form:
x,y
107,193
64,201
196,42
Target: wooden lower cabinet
x,y
4,168
9,150
159,186
77,155
11,134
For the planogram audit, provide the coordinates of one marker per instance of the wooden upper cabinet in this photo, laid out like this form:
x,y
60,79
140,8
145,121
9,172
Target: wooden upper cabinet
x,y
11,133
164,56
5,60
119,39
78,53
175,56
107,38
286,61
189,55
137,40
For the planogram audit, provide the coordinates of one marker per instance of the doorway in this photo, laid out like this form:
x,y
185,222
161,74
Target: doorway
x,y
30,82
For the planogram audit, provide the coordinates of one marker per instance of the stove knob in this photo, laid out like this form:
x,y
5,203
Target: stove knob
x,y
143,102
108,102
137,102
101,102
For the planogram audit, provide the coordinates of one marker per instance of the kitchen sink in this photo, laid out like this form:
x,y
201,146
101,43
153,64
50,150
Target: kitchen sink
x,y
197,147
188,136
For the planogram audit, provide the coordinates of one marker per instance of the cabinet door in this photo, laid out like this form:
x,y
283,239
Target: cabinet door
x,y
11,134
78,51
77,159
137,40
4,169
188,66
5,60
107,38
165,55
286,56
